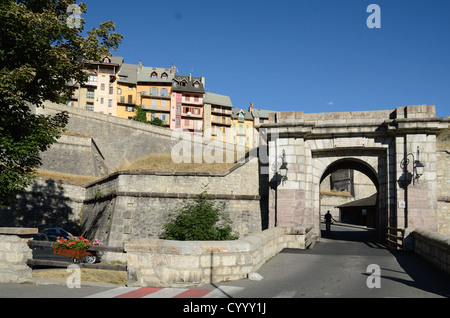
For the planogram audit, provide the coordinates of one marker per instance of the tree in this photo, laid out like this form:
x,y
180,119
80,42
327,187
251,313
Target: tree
x,y
40,52
199,220
141,115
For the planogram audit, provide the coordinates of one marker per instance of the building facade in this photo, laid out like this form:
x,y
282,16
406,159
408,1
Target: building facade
x,y
187,103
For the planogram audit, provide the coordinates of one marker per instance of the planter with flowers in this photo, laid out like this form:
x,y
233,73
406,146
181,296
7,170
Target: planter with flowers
x,y
75,248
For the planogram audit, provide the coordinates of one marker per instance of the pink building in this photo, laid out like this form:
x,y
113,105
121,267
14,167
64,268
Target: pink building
x,y
187,103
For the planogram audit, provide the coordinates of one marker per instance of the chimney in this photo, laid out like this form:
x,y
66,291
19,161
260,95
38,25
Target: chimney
x,y
251,107
190,77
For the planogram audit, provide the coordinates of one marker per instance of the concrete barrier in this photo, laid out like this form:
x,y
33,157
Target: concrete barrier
x,y
165,263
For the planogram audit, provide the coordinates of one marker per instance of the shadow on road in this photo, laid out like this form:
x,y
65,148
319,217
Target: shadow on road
x,y
420,274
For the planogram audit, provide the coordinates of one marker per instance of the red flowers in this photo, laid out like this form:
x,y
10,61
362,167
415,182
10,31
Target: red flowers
x,y
74,242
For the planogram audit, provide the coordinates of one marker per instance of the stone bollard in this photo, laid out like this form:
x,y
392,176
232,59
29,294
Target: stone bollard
x,y
14,253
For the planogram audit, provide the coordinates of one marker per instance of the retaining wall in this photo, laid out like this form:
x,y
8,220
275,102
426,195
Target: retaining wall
x,y
164,263
434,247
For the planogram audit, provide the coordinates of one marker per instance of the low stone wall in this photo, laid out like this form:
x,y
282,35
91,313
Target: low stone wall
x,y
14,252
164,263
434,247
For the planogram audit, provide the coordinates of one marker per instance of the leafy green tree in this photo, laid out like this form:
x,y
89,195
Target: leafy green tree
x,y
40,52
141,115
199,220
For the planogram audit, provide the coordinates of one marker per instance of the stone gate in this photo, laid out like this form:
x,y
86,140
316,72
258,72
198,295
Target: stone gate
x,y
381,144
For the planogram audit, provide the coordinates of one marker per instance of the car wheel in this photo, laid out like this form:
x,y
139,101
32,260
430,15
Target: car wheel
x,y
91,259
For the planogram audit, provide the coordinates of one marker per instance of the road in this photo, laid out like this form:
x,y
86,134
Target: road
x,y
337,267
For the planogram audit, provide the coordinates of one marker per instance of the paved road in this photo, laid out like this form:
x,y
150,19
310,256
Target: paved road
x,y
335,267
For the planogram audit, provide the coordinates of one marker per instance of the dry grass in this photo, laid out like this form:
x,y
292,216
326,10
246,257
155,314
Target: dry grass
x,y
87,275
164,162
65,177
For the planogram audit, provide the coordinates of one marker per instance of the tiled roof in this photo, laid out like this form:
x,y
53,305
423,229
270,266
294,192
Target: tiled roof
x,y
216,99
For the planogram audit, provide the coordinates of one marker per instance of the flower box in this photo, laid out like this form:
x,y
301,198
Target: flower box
x,y
70,252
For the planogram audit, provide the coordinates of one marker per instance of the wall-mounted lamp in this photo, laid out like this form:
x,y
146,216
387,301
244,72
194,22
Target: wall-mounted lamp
x,y
418,167
283,168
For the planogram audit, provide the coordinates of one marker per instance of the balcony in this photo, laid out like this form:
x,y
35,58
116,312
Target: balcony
x,y
221,111
221,120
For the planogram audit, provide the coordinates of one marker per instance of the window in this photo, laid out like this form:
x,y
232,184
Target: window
x,y
178,107
164,104
111,90
196,111
154,75
164,76
89,106
196,99
196,84
90,94
130,99
154,104
129,108
102,87
123,78
130,88
164,92
122,99
187,98
102,100
92,80
164,117
177,121
119,91
110,103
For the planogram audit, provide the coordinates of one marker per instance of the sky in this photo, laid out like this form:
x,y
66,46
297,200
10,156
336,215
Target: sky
x,y
294,55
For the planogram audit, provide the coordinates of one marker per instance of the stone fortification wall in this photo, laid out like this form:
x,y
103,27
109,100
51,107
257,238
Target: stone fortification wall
x,y
46,203
443,192
132,205
102,143
74,154
161,263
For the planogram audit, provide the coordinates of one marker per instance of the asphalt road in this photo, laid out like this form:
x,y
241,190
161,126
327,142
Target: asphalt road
x,y
337,267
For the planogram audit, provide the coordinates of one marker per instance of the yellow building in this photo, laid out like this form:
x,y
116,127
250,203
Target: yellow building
x,y
217,116
127,91
154,88
243,128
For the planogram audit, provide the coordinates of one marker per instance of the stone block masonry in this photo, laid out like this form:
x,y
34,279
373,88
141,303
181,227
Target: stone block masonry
x,y
14,252
433,247
162,263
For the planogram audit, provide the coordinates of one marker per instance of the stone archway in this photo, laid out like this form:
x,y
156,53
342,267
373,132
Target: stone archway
x,y
352,163
374,142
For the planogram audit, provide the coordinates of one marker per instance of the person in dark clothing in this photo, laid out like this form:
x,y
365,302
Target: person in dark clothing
x,y
328,220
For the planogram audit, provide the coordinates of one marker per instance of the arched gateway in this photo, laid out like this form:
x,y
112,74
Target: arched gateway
x,y
382,144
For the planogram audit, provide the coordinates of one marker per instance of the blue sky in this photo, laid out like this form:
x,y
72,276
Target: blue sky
x,y
301,55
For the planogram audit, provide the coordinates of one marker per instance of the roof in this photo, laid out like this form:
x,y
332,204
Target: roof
x,y
369,201
145,74
189,86
130,72
260,113
216,99
235,112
